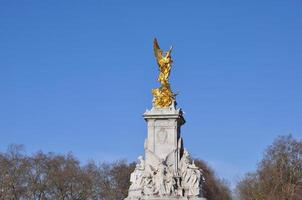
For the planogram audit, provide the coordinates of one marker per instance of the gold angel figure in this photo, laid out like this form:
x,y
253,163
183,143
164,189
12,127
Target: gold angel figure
x,y
163,96
164,63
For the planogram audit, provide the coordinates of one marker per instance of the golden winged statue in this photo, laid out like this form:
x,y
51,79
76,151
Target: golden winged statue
x,y
163,96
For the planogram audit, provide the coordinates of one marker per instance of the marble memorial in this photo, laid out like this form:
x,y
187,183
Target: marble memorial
x,y
166,172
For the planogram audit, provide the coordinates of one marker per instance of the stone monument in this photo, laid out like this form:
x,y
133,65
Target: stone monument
x,y
166,172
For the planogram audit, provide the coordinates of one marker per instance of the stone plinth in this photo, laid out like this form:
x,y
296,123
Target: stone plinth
x,y
163,141
168,198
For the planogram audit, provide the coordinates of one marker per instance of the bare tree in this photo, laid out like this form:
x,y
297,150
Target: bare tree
x,y
13,173
66,181
213,188
61,177
37,177
279,174
115,180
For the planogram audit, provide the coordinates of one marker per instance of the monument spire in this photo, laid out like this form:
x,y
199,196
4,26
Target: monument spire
x,y
166,172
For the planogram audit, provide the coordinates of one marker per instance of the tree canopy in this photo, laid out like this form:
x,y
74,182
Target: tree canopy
x,y
49,176
279,174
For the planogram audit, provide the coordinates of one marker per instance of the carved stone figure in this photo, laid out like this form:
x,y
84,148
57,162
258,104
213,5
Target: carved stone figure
x,y
159,177
191,176
162,181
137,178
149,186
171,184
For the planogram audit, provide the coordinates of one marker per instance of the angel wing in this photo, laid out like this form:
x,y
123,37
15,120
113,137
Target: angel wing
x,y
170,158
153,158
157,51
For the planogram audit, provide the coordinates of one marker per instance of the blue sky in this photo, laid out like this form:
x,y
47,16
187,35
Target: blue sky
x,y
77,76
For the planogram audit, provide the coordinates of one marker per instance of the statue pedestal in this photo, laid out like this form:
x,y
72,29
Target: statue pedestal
x,y
166,172
163,141
167,198
175,198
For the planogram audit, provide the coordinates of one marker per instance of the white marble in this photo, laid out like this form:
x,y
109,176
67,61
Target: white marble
x,y
166,172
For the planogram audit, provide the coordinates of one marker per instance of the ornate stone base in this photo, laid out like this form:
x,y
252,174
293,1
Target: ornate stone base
x,y
166,198
167,171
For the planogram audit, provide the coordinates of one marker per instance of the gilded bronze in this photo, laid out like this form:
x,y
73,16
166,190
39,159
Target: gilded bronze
x,y
163,96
